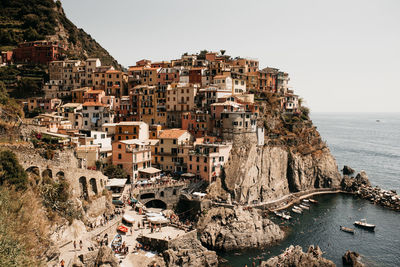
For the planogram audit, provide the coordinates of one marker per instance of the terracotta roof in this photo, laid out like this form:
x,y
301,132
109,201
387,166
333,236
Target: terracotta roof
x,y
95,91
220,76
113,71
94,104
171,134
135,68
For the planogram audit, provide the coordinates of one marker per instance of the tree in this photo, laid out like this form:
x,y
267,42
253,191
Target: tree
x,y
11,172
113,171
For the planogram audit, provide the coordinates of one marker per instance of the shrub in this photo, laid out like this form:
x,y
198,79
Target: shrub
x,y
11,172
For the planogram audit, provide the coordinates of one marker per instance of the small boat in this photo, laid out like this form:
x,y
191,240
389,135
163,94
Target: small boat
x,y
122,228
306,200
347,230
297,211
304,207
313,200
363,223
282,215
297,208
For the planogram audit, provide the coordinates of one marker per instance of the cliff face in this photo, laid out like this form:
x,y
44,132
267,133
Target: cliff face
x,y
265,173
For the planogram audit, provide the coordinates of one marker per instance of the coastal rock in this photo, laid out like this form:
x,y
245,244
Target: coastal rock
x,y
295,257
230,229
260,174
351,258
347,170
362,179
188,251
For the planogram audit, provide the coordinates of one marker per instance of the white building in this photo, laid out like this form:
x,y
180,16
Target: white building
x,y
95,115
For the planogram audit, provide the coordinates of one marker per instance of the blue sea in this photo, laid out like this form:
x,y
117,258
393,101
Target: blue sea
x,y
363,141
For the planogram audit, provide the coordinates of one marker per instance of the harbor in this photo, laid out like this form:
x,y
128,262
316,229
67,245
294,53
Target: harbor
x,y
321,225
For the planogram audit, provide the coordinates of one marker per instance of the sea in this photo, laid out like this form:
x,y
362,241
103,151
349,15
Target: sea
x,y
363,141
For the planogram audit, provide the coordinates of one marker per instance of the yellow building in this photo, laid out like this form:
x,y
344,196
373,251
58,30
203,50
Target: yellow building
x,y
172,150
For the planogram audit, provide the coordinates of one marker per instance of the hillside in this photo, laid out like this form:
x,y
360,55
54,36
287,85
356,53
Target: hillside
x,y
29,20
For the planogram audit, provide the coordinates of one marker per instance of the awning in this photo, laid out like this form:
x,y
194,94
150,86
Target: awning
x,y
150,170
116,182
188,174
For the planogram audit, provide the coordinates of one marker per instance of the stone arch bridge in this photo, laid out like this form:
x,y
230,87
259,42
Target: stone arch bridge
x,y
161,196
83,183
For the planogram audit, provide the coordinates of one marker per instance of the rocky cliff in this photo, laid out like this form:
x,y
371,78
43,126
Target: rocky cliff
x,y
233,229
263,173
188,251
295,257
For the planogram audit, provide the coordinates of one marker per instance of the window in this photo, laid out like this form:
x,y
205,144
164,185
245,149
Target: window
x,y
119,156
162,141
174,141
205,160
205,168
162,158
119,146
197,168
190,166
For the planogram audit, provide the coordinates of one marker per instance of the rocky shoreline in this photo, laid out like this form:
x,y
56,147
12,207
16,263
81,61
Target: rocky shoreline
x,y
361,187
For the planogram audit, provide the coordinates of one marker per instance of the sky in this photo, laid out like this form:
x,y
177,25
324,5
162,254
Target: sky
x,y
341,55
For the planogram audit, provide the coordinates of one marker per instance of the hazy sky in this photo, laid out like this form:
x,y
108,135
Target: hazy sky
x,y
342,55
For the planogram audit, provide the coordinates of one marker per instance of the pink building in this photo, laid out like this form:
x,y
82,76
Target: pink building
x,y
197,123
131,155
207,160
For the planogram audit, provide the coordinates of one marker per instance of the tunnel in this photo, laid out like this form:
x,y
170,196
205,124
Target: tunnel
x,y
156,203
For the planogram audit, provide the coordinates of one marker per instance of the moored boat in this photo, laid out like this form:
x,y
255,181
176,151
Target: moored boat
x,y
346,229
306,200
363,223
304,207
296,211
313,200
297,208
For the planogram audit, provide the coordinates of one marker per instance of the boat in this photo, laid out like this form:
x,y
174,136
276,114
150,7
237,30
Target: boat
x,y
296,211
313,200
347,230
298,208
128,218
122,228
304,207
116,242
306,200
282,215
363,224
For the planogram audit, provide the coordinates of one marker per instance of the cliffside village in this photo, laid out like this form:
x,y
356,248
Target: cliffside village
x,y
175,117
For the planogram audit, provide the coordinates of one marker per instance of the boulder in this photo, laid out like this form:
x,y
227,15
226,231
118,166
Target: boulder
x,y
295,257
351,258
106,258
347,170
187,251
234,228
362,179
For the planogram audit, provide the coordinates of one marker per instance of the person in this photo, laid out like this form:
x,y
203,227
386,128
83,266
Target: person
x,y
80,244
62,263
74,245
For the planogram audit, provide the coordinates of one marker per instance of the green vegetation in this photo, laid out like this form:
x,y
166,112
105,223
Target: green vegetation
x,y
30,20
11,172
113,171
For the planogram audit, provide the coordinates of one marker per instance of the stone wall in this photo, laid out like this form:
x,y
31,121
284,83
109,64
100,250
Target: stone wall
x,y
83,182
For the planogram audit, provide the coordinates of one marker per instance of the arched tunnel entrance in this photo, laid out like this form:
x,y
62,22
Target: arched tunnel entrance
x,y
156,203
